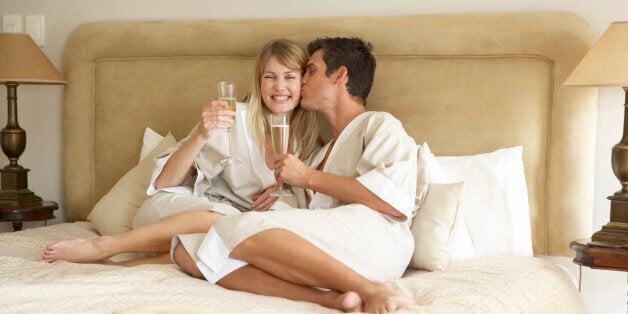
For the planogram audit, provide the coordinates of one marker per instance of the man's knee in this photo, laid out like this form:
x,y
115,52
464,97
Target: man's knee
x,y
256,245
185,262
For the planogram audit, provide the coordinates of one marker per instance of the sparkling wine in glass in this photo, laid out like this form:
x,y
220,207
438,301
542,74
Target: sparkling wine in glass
x,y
279,131
226,93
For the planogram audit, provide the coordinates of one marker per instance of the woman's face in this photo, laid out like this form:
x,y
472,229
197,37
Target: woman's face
x,y
280,86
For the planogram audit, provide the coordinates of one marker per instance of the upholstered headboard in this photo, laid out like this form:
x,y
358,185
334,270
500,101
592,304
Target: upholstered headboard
x,y
464,83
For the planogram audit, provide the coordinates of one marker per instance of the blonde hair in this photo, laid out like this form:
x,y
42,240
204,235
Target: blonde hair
x,y
304,124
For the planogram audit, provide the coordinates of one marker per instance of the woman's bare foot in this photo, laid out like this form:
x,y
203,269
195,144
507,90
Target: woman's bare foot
x,y
89,250
385,301
103,262
349,302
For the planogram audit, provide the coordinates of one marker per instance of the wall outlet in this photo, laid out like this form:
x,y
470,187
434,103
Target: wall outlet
x,y
35,28
12,23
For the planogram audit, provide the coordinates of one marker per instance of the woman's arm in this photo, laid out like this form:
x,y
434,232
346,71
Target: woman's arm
x,y
180,166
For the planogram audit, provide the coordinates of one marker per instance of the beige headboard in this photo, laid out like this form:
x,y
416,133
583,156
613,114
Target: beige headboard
x,y
464,83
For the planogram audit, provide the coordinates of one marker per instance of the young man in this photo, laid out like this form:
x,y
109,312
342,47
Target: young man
x,y
361,190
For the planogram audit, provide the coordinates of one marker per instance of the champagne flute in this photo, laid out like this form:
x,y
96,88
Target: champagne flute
x,y
226,93
279,131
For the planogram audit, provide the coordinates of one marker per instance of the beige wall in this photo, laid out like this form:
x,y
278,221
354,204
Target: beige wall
x,y
40,107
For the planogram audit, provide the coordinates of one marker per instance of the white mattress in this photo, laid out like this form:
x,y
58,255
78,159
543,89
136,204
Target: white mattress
x,y
498,284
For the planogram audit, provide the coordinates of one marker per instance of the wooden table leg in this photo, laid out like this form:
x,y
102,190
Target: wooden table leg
x,y
17,226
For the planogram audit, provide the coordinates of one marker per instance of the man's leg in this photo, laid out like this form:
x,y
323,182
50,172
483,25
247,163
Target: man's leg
x,y
290,257
251,279
152,238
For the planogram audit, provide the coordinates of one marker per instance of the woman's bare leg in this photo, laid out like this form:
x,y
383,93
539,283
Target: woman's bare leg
x,y
292,258
152,238
159,259
251,279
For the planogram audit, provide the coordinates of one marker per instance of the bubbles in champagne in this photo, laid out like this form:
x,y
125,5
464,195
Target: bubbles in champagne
x,y
231,103
279,134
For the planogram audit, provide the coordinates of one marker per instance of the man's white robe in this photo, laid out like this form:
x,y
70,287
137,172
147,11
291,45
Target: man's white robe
x,y
374,149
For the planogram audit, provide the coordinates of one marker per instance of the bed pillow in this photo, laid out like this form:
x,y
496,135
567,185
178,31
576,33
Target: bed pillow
x,y
149,141
461,246
435,225
114,212
497,212
421,177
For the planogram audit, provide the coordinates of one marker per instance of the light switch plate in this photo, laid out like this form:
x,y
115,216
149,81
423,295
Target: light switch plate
x,y
12,23
35,28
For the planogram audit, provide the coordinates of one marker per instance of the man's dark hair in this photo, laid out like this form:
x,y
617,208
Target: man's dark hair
x,y
353,53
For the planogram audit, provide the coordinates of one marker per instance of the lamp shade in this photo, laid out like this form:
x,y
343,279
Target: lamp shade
x,y
22,62
606,64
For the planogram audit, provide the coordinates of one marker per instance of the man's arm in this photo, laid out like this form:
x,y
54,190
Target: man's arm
x,y
291,170
348,190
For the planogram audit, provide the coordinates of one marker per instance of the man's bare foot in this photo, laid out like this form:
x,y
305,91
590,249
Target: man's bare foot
x,y
76,250
349,302
385,301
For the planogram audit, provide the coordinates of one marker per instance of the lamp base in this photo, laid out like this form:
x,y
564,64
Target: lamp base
x,y
14,190
616,231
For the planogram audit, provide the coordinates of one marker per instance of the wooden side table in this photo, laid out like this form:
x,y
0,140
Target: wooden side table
x,y
37,212
602,255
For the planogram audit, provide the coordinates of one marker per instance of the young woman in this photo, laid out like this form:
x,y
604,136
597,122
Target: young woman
x,y
191,188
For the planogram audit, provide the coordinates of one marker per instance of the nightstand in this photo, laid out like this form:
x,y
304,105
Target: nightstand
x,y
37,212
602,255
599,255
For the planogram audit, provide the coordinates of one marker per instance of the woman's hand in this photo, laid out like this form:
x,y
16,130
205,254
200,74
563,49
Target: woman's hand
x,y
214,117
291,170
263,202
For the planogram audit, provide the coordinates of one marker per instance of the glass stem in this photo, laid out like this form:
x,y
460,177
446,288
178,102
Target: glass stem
x,y
230,143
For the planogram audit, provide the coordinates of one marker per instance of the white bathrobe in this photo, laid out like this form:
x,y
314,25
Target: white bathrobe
x,y
374,149
215,187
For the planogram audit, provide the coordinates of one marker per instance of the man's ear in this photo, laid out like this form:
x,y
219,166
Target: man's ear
x,y
342,75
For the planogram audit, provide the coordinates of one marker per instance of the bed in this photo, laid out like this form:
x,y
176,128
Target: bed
x,y
465,84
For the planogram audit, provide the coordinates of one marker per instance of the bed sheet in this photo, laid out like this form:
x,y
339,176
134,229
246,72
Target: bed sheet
x,y
501,283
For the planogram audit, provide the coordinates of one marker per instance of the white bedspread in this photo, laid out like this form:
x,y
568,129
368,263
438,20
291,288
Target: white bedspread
x,y
495,284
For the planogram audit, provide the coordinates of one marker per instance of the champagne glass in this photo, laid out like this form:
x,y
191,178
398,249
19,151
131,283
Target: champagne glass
x,y
279,131
226,93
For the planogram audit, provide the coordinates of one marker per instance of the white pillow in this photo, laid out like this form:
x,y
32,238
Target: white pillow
x,y
149,141
435,173
421,176
461,246
114,212
497,212
435,225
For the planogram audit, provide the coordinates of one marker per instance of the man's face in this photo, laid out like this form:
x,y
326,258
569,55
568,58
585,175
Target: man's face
x,y
316,88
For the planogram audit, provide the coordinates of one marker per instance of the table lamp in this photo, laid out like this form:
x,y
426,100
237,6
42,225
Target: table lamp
x,y
21,62
606,65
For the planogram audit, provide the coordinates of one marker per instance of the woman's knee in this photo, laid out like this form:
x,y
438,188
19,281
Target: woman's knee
x,y
183,259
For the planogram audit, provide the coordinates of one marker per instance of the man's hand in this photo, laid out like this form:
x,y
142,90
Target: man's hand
x,y
290,170
263,201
